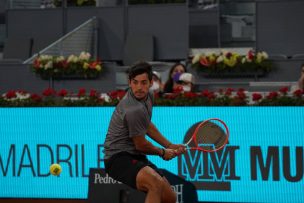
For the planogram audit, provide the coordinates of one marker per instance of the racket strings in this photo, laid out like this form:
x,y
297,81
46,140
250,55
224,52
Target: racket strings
x,y
211,135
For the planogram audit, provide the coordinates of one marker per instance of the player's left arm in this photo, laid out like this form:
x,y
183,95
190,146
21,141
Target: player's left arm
x,y
155,134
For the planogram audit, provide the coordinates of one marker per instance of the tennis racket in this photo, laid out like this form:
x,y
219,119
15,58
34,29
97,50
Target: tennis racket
x,y
209,136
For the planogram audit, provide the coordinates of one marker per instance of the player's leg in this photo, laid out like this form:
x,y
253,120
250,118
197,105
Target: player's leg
x,y
139,173
168,194
158,188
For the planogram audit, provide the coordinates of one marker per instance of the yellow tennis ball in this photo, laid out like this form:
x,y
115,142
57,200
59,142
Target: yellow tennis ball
x,y
55,169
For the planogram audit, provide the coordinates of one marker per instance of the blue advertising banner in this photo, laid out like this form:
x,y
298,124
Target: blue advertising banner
x,y
263,162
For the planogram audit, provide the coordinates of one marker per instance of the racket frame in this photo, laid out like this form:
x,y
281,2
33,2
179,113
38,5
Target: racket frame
x,y
195,133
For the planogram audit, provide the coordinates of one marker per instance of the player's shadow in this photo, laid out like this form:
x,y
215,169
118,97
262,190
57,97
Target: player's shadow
x,y
103,188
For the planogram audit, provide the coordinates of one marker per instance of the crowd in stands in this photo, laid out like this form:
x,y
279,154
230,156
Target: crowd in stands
x,y
179,80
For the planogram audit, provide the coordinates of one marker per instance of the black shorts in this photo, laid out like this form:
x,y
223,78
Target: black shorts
x,y
124,167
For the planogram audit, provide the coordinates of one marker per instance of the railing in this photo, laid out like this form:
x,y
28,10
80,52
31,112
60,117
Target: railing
x,y
82,38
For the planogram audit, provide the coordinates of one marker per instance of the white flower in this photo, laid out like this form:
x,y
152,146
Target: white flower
x,y
84,56
72,58
98,67
22,95
220,59
48,65
46,57
19,96
85,66
261,56
196,58
244,59
59,58
105,97
264,54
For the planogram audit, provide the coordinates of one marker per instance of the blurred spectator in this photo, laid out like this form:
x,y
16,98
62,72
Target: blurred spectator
x,y
300,83
186,80
301,79
157,86
173,77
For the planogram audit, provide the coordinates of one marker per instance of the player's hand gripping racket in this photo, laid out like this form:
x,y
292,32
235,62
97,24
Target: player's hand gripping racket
x,y
209,136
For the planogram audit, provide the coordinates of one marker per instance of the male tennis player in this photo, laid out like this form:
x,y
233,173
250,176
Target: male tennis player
x,y
126,146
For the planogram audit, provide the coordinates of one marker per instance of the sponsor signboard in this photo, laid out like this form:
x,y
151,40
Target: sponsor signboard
x,y
263,161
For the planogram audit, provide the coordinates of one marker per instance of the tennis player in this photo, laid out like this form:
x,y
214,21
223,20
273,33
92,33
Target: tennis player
x,y
126,145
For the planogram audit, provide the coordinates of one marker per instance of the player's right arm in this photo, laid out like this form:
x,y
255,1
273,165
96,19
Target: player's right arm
x,y
146,147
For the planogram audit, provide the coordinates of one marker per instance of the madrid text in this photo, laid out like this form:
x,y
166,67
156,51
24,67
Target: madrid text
x,y
272,163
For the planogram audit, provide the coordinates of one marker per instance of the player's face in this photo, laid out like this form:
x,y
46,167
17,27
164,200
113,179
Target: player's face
x,y
140,86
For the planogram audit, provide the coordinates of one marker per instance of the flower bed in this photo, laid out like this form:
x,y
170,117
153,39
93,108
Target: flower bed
x,y
227,97
82,66
230,64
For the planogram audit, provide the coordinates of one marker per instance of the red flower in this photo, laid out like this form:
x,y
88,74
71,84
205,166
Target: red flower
x,y
284,90
228,55
118,94
36,63
190,95
62,93
63,64
81,92
49,92
250,55
205,93
204,61
94,64
35,97
121,94
272,95
211,95
298,93
256,96
228,91
178,89
11,94
93,93
241,94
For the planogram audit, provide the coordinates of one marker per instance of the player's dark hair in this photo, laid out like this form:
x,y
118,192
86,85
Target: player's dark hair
x,y
140,68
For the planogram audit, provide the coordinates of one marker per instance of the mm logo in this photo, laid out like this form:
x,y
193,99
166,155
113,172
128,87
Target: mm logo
x,y
208,171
